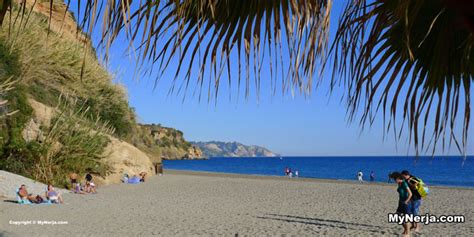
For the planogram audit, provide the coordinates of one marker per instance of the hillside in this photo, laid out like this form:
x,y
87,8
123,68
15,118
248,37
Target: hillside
x,y
71,116
164,143
232,149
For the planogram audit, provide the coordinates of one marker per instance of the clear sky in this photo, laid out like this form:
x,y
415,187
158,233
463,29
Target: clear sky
x,y
299,125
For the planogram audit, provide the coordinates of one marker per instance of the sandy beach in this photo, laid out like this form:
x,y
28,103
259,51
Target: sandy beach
x,y
187,203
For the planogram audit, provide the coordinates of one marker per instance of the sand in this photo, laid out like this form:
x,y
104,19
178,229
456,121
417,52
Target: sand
x,y
190,204
10,182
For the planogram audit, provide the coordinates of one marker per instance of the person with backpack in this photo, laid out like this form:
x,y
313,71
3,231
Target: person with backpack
x,y
416,187
404,198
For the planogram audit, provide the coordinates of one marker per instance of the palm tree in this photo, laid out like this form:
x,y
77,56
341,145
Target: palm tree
x,y
413,56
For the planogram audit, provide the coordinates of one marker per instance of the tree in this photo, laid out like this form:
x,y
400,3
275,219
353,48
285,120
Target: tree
x,y
400,53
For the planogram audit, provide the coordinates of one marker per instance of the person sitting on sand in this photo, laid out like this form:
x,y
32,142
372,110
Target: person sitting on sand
x,y
78,189
142,176
53,195
73,179
404,196
90,187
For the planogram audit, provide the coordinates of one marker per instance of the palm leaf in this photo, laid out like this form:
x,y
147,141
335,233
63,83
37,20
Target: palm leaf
x,y
202,35
411,54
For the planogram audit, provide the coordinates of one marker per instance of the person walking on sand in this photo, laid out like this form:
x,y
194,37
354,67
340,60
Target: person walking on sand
x,y
297,174
415,202
404,197
372,176
360,176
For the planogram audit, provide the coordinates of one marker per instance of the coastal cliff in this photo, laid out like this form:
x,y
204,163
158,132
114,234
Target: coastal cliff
x,y
165,143
232,149
70,114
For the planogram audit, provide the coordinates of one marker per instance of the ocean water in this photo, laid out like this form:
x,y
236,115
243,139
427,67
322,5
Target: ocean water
x,y
440,170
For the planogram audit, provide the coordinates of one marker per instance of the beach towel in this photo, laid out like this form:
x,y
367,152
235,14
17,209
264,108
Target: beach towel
x,y
23,201
134,180
19,199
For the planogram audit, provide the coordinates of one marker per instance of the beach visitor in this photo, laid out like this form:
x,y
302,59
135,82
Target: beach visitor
x,y
89,177
287,171
73,179
404,197
389,177
372,176
142,176
360,176
53,195
24,195
90,187
297,174
78,188
125,178
156,168
415,201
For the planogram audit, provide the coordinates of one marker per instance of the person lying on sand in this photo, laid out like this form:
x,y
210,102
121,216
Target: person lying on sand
x,y
125,178
24,195
53,195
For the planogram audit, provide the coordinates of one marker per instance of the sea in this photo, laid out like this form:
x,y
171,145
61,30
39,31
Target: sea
x,y
438,170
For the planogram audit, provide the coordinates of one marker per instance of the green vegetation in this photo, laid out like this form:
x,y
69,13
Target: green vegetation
x,y
17,155
72,144
44,68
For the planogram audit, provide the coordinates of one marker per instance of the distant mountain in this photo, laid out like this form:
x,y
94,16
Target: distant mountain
x,y
232,149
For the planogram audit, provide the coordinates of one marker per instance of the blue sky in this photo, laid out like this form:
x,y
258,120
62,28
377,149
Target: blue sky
x,y
299,125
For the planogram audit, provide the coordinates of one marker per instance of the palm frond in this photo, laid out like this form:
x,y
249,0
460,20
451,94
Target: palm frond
x,y
202,34
415,55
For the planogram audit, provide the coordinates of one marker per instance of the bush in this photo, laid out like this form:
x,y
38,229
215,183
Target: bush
x,y
16,155
72,144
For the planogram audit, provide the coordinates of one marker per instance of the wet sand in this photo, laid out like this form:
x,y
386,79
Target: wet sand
x,y
191,203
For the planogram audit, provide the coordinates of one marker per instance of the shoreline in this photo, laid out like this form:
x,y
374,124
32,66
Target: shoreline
x,y
299,179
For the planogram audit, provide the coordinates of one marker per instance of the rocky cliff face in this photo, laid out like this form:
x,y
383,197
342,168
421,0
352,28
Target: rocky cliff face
x,y
62,21
164,143
232,149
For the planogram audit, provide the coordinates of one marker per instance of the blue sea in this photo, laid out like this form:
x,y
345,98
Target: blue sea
x,y
440,170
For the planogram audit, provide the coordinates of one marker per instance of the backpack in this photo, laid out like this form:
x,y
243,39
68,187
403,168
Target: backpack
x,y
421,187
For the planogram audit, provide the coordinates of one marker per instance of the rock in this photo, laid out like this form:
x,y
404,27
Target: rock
x,y
121,156
62,22
124,158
